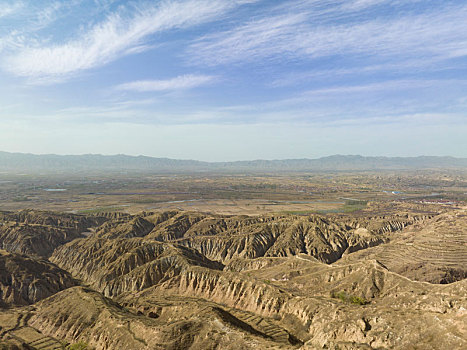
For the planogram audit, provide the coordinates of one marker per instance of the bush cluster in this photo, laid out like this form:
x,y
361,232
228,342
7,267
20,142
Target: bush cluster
x,y
346,298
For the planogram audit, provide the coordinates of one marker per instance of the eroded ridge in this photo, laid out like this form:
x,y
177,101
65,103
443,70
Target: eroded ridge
x,y
189,280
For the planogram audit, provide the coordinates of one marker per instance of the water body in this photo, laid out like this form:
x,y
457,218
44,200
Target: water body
x,y
183,201
311,202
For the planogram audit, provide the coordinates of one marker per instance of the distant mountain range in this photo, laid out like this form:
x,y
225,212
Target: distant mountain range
x,y
97,162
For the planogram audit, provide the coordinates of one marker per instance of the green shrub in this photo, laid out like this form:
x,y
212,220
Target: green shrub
x,y
357,300
79,346
352,299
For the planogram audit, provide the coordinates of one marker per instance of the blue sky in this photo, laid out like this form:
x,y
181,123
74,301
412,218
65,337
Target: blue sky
x,y
234,79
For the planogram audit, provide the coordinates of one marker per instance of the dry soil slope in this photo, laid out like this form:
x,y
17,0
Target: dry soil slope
x,y
114,266
297,293
38,233
25,281
435,252
183,323
194,280
133,253
223,238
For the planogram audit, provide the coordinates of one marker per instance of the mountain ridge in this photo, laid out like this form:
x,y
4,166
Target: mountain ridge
x,y
121,162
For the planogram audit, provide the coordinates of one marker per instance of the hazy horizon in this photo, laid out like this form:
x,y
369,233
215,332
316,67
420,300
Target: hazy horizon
x,y
227,161
225,80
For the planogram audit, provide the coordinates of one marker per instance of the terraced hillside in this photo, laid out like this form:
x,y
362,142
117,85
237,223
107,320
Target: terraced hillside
x,y
435,252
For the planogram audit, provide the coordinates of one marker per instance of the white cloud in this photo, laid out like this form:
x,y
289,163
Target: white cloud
x,y
50,13
187,81
361,4
385,86
329,7
408,66
118,35
435,34
337,103
8,9
33,16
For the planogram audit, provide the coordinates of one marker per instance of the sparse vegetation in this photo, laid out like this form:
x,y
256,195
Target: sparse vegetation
x,y
79,346
346,298
297,212
21,199
354,205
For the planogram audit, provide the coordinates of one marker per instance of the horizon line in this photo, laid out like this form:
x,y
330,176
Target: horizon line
x,y
232,161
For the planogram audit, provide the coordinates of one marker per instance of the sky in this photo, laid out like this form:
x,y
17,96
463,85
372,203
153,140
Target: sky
x,y
223,80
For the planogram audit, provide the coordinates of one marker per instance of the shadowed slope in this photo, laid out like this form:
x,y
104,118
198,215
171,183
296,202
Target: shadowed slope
x,y
229,237
25,281
183,323
38,233
119,265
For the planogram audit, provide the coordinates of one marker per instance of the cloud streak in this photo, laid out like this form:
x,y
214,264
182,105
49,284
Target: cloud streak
x,y
181,82
8,9
436,34
118,35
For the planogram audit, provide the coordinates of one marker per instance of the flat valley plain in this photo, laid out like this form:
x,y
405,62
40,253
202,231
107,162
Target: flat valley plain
x,y
205,260
249,194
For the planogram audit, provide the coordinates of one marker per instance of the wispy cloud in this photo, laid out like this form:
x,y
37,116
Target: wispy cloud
x,y
23,19
7,9
361,4
181,82
48,14
118,35
439,33
395,68
394,85
337,103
